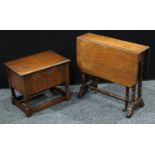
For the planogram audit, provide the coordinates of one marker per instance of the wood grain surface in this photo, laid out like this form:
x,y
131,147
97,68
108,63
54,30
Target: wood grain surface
x,y
36,62
110,59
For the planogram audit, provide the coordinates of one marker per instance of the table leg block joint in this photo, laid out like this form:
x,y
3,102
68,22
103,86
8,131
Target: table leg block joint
x,y
93,81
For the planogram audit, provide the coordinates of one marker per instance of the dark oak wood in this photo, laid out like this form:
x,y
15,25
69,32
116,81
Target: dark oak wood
x,y
113,60
84,87
36,62
36,73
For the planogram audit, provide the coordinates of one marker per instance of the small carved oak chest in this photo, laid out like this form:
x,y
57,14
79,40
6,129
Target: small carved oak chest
x,y
114,60
36,73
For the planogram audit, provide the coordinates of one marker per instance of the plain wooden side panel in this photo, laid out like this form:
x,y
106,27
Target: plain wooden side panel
x,y
46,79
107,62
15,81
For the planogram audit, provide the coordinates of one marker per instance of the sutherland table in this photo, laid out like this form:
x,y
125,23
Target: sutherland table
x,y
114,60
33,74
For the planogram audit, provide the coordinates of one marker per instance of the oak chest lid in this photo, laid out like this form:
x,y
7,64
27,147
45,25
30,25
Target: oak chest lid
x,y
36,62
116,43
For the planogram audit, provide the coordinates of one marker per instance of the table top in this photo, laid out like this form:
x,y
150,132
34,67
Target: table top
x,y
36,62
116,43
110,59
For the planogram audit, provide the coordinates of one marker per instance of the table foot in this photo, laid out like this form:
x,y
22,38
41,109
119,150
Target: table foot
x,y
141,103
28,114
129,112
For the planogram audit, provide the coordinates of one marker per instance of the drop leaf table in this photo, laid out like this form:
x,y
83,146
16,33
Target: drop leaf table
x,y
113,60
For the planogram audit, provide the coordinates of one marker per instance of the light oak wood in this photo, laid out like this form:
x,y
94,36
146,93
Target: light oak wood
x,y
109,58
116,43
113,60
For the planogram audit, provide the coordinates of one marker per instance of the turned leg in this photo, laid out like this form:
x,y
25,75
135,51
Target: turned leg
x,y
127,99
67,92
13,95
130,108
27,108
84,87
140,85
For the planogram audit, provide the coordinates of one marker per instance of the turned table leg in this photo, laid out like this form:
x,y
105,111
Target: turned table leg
x,y
13,95
127,98
140,85
27,108
136,102
130,108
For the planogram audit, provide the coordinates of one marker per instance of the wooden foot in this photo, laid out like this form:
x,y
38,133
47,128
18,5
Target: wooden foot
x,y
137,104
130,110
28,114
141,103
